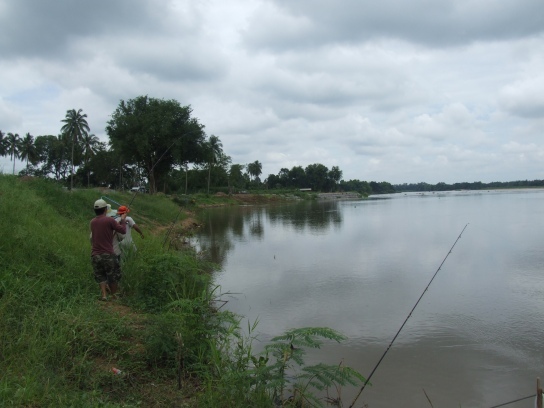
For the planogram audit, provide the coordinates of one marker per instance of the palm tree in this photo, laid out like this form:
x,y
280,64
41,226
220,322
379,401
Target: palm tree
x,y
215,149
75,127
90,146
3,144
14,147
255,169
28,149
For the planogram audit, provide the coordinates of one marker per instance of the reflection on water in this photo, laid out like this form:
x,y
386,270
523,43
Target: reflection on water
x,y
360,266
224,226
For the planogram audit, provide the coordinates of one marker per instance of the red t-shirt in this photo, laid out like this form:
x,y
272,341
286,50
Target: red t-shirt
x,y
102,228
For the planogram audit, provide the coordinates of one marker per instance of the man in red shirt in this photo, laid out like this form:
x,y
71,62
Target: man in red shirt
x,y
103,257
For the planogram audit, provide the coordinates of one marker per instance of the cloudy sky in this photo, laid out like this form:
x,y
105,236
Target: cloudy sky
x,y
394,90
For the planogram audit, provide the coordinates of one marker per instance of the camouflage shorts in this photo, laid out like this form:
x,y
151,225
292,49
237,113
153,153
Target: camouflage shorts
x,y
106,267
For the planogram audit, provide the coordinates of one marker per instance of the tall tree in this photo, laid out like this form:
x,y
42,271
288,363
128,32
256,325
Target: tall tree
x,y
53,153
3,144
335,175
90,145
214,152
298,177
147,130
14,147
28,150
316,175
255,169
283,176
236,176
75,128
189,147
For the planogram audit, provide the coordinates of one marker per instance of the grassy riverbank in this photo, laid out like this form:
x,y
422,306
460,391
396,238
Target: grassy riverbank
x,y
58,343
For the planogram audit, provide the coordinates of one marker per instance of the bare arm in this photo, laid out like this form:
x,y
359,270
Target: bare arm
x,y
121,227
138,230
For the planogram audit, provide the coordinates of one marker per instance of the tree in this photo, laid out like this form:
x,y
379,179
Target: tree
x,y
150,133
236,176
52,152
214,152
28,150
297,177
3,144
273,181
75,128
189,147
335,175
13,147
317,176
90,145
108,169
255,169
283,175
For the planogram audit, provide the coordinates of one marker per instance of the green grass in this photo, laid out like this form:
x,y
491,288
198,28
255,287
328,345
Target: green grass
x,y
58,343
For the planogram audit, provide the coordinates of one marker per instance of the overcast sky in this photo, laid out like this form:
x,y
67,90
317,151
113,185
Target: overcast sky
x,y
390,90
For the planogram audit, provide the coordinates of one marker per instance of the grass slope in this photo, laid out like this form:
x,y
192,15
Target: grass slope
x,y
57,342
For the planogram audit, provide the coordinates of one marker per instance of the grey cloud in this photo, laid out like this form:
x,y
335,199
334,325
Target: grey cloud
x,y
10,118
524,98
48,27
181,60
327,94
428,22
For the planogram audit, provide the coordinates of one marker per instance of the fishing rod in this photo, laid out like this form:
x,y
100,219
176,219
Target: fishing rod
x,y
172,226
110,199
136,192
405,320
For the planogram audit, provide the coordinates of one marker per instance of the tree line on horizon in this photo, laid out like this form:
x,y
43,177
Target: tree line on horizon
x,y
159,144
476,185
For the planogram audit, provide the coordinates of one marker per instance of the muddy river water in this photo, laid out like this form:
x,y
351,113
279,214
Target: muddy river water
x,y
359,266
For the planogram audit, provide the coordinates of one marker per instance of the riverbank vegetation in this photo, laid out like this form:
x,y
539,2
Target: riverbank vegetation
x,y
477,185
160,146
166,342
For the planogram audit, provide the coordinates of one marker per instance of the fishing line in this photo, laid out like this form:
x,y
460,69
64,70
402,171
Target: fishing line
x,y
511,402
172,226
409,315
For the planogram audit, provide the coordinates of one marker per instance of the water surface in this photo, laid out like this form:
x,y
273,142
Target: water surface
x,y
474,340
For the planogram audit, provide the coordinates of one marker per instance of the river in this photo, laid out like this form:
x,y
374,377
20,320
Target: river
x,y
359,267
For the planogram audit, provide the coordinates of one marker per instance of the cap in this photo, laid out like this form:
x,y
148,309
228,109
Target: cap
x,y
100,204
123,210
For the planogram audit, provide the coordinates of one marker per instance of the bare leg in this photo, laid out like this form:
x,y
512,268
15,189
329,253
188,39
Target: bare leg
x,y
114,287
103,287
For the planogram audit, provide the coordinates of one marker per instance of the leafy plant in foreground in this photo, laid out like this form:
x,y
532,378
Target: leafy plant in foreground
x,y
289,373
278,376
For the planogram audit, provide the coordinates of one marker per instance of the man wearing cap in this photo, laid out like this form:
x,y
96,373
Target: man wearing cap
x,y
103,257
127,245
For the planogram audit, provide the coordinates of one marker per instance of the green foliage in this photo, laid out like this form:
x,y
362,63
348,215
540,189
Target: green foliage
x,y
58,343
288,352
157,280
278,375
155,134
477,185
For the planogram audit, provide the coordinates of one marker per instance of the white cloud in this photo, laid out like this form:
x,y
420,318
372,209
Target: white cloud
x,y
395,91
525,98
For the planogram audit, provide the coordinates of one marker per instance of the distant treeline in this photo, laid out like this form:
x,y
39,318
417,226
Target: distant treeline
x,y
318,177
477,185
